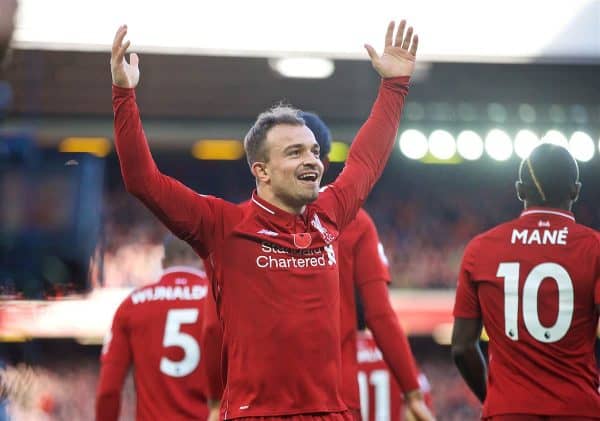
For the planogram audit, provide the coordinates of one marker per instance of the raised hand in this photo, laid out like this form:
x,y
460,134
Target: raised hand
x,y
399,54
124,75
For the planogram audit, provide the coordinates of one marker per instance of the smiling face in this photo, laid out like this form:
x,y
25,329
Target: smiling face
x,y
292,171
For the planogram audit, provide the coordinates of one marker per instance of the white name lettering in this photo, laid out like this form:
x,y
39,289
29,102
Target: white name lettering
x,y
538,237
369,355
169,293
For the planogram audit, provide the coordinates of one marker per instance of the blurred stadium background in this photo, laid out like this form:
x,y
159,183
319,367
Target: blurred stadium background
x,y
492,83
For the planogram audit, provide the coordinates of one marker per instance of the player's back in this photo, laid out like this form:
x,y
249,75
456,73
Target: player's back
x,y
535,278
164,322
380,395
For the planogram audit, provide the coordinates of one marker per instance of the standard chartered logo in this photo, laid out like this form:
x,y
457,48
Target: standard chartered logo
x,y
276,257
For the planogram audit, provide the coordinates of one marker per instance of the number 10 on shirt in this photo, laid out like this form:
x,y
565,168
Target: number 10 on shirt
x,y
510,272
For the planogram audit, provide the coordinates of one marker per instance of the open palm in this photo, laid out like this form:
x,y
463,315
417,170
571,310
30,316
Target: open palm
x,y
399,54
124,75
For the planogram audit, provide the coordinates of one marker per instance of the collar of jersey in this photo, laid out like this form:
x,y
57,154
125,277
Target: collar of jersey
x,y
271,210
538,211
184,269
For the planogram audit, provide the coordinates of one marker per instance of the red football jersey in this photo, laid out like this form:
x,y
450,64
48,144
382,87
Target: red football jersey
x,y
212,342
276,273
361,260
534,282
157,329
380,396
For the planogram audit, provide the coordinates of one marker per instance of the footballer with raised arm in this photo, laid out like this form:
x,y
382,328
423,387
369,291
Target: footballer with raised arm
x,y
273,259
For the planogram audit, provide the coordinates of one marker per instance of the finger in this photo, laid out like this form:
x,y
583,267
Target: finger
x,y
121,32
389,35
400,33
415,45
123,50
120,55
372,53
134,60
407,38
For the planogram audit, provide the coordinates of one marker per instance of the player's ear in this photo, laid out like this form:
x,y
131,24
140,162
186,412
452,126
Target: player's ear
x,y
261,172
520,190
575,191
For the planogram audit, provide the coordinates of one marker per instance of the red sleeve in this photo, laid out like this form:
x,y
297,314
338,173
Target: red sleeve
x,y
212,339
369,257
190,216
597,285
466,304
116,359
368,154
389,335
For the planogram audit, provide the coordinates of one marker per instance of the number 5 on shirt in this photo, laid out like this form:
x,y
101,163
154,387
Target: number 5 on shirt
x,y
174,337
531,318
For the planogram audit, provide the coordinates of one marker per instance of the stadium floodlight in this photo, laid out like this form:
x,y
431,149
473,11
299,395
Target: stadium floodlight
x,y
413,144
525,141
469,145
581,146
555,137
498,145
442,144
303,67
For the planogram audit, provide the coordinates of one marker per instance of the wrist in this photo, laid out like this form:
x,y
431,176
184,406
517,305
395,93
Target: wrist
x,y
214,404
413,395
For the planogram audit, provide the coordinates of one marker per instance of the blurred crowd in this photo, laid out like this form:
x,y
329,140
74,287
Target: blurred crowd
x,y
425,216
66,390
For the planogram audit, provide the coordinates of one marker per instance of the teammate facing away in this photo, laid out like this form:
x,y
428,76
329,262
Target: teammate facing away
x,y
534,282
362,267
381,397
157,331
274,258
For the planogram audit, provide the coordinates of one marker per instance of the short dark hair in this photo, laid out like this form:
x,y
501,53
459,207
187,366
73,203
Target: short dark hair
x,y
178,252
255,138
320,130
549,175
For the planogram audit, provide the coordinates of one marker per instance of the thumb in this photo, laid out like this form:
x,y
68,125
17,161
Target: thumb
x,y
134,59
372,53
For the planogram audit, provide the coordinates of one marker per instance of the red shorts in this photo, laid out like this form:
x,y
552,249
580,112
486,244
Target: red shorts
x,y
319,416
527,417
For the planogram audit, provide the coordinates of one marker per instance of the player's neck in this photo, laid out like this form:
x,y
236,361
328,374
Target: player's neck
x,y
566,206
267,194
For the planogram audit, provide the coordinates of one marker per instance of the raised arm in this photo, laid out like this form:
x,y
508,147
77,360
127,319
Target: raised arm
x,y
187,214
373,143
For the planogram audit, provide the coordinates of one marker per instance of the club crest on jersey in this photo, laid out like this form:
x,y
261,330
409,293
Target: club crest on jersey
x,y
302,240
316,223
